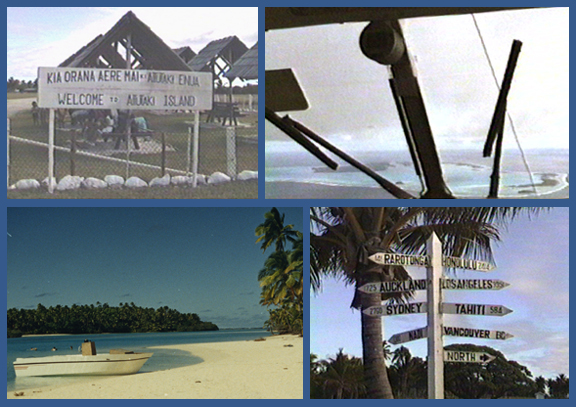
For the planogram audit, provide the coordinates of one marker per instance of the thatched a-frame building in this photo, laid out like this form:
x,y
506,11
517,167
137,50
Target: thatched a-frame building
x,y
218,56
148,51
246,67
185,53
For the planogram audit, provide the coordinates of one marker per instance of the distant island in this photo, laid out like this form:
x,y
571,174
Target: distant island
x,y
101,318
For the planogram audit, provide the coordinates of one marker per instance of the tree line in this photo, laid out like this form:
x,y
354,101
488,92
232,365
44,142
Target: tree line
x,y
342,377
281,278
14,85
101,318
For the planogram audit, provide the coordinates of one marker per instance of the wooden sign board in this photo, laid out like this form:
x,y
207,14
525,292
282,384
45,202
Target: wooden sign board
x,y
467,357
94,88
396,259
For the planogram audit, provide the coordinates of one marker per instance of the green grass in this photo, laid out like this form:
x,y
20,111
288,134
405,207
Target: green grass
x,y
29,161
13,95
233,190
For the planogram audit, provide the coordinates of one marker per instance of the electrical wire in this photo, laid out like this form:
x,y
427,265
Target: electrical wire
x,y
525,161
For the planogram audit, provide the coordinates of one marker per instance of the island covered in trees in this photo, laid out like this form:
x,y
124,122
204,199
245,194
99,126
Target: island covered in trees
x,y
101,318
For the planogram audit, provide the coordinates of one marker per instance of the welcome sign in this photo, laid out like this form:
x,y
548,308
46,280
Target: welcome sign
x,y
94,88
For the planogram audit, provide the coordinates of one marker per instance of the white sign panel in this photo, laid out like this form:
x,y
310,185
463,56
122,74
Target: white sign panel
x,y
93,88
475,309
394,286
396,309
453,284
408,336
397,286
476,333
467,357
466,264
421,333
395,259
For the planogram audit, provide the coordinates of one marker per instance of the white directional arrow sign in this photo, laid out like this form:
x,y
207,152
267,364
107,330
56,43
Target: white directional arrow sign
x,y
452,284
467,264
408,336
421,333
396,309
398,286
476,333
467,357
394,286
475,309
395,259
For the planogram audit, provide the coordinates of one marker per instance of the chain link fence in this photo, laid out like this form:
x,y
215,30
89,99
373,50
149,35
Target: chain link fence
x,y
167,149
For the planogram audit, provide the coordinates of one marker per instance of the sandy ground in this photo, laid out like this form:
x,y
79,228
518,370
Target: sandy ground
x,y
270,369
17,105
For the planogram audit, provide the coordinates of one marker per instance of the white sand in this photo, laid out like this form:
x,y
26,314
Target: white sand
x,y
230,370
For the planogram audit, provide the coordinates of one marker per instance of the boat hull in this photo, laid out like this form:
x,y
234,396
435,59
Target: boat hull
x,y
78,365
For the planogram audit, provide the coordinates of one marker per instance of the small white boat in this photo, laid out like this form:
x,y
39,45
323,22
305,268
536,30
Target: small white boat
x,y
118,362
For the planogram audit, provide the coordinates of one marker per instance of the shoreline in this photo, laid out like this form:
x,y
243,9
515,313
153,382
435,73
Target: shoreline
x,y
303,190
261,369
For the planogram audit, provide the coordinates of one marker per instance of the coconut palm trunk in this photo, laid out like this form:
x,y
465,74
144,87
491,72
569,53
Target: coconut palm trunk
x,y
375,372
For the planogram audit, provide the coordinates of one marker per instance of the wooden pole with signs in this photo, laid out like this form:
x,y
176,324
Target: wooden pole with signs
x,y
435,344
435,263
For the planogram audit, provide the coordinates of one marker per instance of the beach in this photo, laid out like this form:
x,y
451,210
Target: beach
x,y
302,190
255,369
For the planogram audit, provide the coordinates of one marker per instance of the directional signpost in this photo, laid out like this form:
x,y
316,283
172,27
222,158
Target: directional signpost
x,y
396,309
476,333
398,286
451,284
435,308
409,336
395,259
467,357
475,309
421,333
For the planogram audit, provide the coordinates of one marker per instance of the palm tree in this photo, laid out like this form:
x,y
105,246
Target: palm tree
x,y
409,371
273,231
342,377
343,239
281,278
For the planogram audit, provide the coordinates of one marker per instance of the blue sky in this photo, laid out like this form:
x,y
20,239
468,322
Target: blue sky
x,y
200,260
46,36
532,257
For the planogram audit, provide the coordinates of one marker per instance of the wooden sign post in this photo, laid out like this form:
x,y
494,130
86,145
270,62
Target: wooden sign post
x,y
434,307
435,344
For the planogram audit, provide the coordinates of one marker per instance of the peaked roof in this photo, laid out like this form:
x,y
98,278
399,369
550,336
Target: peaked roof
x,y
230,49
246,67
185,53
149,51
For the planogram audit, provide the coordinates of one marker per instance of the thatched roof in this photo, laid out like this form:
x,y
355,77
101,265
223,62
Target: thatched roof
x,y
185,53
229,49
149,51
246,67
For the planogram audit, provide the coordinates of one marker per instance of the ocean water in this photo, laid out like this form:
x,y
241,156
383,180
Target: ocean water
x,y
467,173
161,360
